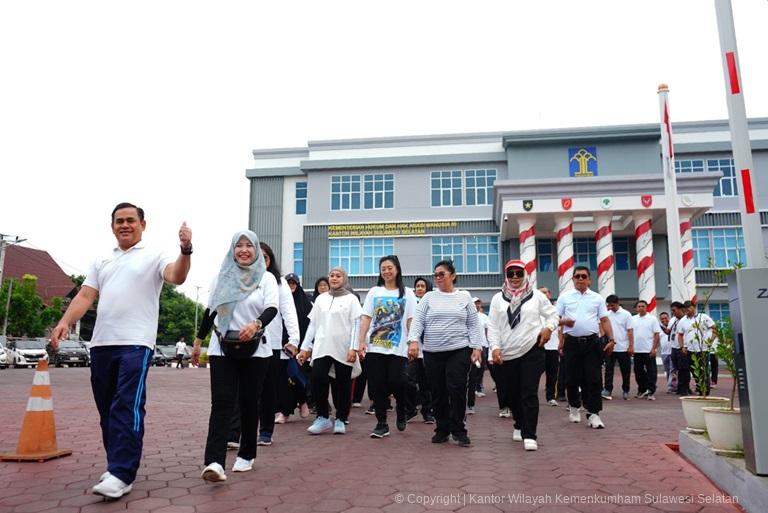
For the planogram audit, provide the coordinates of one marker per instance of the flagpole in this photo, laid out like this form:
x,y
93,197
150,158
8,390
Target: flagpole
x,y
742,151
679,291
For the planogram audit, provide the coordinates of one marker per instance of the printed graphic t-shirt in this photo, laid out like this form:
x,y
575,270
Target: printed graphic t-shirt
x,y
389,315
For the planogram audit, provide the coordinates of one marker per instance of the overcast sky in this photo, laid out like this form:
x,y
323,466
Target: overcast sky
x,y
160,103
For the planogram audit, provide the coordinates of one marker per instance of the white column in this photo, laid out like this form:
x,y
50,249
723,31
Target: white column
x,y
686,240
527,235
605,264
646,274
565,260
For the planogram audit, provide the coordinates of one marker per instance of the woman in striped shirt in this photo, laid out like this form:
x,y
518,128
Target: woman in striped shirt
x,y
446,324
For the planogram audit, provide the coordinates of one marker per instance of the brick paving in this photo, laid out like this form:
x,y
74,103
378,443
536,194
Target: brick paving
x,y
625,468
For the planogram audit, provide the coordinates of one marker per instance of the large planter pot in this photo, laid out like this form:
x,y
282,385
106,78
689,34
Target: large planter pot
x,y
694,416
724,430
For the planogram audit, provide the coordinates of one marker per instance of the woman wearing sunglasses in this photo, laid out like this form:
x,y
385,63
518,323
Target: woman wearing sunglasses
x,y
521,321
447,328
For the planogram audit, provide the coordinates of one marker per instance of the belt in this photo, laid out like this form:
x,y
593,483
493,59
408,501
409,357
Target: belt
x,y
588,338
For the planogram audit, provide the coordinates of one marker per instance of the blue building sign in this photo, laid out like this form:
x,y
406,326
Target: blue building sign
x,y
582,161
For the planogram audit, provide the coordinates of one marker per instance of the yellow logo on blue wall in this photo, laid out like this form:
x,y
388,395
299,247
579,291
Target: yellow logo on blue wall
x,y
582,161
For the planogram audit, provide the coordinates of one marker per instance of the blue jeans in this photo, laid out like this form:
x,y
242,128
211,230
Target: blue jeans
x,y
118,381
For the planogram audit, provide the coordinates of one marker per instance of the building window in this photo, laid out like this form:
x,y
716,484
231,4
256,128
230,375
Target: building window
x,y
359,256
717,311
478,185
379,191
585,252
301,198
727,184
298,258
621,253
718,248
482,254
345,192
470,254
546,255
446,188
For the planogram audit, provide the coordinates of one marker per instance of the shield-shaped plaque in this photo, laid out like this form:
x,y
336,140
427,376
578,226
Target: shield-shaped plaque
x,y
646,200
527,205
567,203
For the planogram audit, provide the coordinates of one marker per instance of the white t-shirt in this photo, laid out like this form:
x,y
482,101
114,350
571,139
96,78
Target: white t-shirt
x,y
333,324
181,348
621,323
643,329
129,284
484,319
553,344
696,331
585,309
247,311
388,333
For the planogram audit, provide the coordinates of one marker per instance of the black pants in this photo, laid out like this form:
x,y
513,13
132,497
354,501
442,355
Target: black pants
x,y
417,390
321,383
522,376
387,375
447,373
359,388
273,393
583,359
625,367
293,393
502,396
645,372
179,361
231,380
553,387
684,371
713,367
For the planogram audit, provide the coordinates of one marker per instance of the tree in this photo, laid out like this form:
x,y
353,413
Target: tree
x,y
28,316
177,316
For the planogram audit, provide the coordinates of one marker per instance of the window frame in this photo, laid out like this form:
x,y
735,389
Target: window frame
x,y
357,249
301,200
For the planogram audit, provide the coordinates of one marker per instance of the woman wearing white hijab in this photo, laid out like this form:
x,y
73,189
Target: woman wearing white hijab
x,y
521,322
331,340
243,302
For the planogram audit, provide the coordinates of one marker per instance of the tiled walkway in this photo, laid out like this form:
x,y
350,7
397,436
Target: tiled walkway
x,y
625,468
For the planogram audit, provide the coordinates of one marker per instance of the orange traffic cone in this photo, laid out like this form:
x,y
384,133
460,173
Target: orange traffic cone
x,y
37,440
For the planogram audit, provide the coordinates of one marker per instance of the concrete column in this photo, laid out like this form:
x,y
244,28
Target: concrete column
x,y
605,263
686,241
565,260
646,274
527,234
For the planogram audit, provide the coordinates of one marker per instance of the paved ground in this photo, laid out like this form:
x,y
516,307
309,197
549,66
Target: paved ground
x,y
624,468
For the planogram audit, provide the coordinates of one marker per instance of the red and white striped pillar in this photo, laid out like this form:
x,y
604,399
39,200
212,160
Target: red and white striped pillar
x,y
565,260
527,235
686,242
646,273
605,264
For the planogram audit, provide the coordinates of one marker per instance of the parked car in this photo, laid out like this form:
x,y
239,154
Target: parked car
x,y
71,352
159,359
26,352
3,353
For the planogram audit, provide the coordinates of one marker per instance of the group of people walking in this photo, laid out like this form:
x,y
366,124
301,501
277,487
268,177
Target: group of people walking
x,y
273,351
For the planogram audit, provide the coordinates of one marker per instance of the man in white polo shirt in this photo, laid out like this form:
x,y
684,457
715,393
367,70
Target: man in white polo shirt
x,y
647,332
582,314
621,322
695,334
127,283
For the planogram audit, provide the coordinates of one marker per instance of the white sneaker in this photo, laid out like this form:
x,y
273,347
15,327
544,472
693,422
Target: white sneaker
x,y
470,410
479,394
529,444
112,487
104,476
233,445
517,435
595,422
574,414
280,418
552,402
651,397
214,473
504,413
242,465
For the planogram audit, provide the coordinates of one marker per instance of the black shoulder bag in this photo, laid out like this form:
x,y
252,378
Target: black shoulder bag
x,y
233,347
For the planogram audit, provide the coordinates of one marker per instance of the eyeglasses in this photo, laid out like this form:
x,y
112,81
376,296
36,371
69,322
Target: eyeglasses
x,y
440,274
514,273
580,276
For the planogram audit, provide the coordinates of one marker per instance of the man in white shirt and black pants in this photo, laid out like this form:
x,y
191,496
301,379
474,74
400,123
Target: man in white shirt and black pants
x,y
181,351
647,332
582,314
695,333
621,323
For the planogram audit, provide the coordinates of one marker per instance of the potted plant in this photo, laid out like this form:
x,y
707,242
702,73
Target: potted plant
x,y
724,423
693,404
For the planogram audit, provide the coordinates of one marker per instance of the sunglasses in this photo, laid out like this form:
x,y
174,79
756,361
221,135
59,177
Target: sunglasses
x,y
515,273
580,276
440,274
